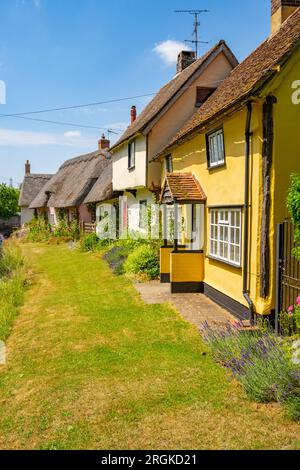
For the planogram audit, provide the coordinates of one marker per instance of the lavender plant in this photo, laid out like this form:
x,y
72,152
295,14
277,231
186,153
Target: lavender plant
x,y
260,361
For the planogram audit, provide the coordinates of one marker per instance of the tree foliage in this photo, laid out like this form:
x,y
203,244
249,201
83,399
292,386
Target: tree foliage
x,y
9,204
293,205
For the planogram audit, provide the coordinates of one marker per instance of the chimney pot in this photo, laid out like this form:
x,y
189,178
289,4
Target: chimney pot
x,y
133,114
185,58
280,11
27,168
103,143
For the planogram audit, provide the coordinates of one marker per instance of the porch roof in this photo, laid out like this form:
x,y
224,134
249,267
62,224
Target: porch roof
x,y
183,188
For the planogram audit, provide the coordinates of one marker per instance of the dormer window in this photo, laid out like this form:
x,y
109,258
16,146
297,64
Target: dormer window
x,y
131,155
202,94
168,164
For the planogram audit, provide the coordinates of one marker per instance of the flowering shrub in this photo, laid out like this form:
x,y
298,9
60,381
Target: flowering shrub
x,y
91,242
39,230
261,362
289,322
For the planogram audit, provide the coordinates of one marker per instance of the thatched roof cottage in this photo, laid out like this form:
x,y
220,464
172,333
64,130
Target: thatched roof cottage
x,y
32,185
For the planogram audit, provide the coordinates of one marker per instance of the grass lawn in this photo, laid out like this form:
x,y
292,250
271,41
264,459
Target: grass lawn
x,y
91,366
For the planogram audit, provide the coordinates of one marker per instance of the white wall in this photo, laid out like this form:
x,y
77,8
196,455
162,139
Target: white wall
x,y
26,215
130,179
133,204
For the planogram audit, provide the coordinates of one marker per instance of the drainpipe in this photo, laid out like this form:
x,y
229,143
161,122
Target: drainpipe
x,y
248,135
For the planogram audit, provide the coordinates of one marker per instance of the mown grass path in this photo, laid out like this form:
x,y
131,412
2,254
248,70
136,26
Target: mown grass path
x,y
91,366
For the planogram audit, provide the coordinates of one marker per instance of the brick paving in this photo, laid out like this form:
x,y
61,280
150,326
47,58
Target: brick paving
x,y
195,308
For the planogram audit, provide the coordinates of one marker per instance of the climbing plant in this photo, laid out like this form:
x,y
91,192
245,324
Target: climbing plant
x,y
293,205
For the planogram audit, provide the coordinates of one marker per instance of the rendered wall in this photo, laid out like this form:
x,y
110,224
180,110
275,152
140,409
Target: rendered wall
x,y
133,204
84,214
123,178
286,157
26,215
173,119
224,186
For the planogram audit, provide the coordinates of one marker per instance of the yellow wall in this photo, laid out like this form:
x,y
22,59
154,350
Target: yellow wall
x,y
187,267
225,186
165,254
286,156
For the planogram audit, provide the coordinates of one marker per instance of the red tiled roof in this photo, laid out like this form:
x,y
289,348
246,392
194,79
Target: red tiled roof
x,y
166,93
247,78
183,188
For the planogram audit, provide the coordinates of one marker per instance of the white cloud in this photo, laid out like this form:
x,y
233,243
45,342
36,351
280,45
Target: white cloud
x,y
169,50
72,134
14,138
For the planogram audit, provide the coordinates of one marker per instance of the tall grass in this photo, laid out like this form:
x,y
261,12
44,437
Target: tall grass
x,y
12,286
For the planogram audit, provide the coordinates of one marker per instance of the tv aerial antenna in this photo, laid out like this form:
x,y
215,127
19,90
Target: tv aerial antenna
x,y
196,14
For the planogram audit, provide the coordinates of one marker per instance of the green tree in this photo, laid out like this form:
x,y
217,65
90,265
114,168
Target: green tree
x,y
9,204
293,205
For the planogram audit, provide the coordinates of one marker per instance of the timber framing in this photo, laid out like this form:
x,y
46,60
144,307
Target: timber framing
x,y
267,159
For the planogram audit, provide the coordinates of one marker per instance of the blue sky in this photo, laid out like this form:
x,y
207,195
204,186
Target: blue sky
x,y
56,53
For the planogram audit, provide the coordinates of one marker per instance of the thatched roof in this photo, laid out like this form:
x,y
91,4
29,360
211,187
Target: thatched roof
x,y
102,189
176,85
31,186
247,79
75,179
42,197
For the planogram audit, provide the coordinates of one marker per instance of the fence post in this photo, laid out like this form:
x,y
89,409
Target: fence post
x,y
279,261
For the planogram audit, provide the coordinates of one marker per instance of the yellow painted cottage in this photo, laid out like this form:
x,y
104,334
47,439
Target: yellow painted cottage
x,y
231,166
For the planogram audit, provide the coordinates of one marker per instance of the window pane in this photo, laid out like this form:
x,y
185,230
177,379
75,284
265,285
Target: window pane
x,y
225,234
216,148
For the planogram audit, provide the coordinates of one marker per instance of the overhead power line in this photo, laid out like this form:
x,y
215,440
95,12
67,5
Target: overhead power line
x,y
25,115
65,108
61,123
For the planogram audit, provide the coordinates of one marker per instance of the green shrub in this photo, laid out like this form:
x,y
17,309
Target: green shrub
x,y
292,406
91,242
143,260
293,205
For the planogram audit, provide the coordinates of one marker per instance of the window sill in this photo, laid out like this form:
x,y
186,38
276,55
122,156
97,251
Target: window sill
x,y
223,261
216,167
131,168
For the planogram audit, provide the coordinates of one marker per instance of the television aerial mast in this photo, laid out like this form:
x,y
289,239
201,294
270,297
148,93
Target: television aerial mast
x,y
196,14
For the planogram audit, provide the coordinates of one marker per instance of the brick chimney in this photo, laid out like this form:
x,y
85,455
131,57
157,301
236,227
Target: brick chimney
x,y
185,58
132,114
103,143
280,11
27,168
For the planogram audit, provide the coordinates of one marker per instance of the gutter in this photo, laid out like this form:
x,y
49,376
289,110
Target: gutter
x,y
248,135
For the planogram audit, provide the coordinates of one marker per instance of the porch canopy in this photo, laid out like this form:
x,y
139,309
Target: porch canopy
x,y
183,189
